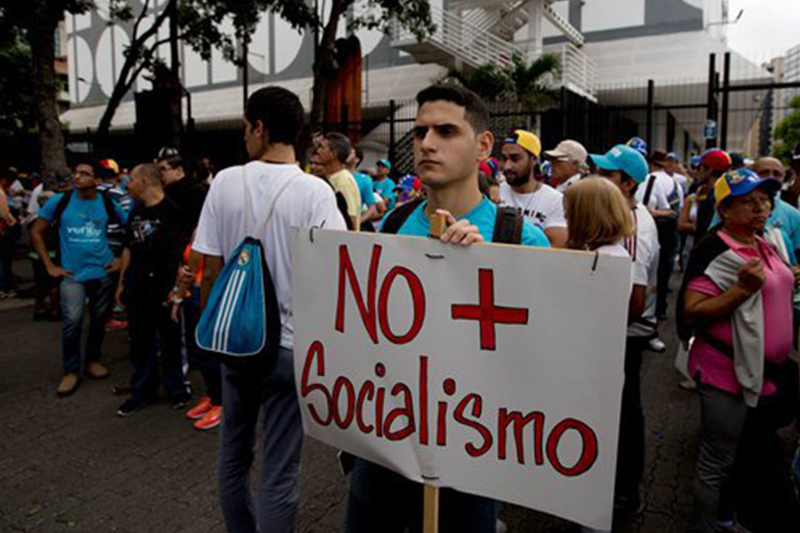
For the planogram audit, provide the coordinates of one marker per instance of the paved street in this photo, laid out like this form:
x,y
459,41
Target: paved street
x,y
72,465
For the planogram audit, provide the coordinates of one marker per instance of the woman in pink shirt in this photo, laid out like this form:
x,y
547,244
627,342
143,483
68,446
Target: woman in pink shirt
x,y
735,281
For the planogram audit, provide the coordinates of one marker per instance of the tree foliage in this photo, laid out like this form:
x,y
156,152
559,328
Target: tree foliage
x,y
17,111
787,133
528,85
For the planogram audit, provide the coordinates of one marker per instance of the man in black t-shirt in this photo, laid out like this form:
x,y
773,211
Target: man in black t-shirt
x,y
155,238
187,193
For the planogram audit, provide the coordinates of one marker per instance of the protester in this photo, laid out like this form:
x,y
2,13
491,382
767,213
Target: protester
x,y
186,193
109,174
627,169
674,167
784,217
369,208
273,120
7,222
600,215
450,136
568,160
156,236
47,304
736,300
383,184
332,154
791,189
487,182
82,217
540,204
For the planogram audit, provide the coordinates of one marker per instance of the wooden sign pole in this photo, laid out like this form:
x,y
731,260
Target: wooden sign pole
x,y
431,504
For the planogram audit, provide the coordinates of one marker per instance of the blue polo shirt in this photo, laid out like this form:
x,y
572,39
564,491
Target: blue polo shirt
x,y
482,215
82,235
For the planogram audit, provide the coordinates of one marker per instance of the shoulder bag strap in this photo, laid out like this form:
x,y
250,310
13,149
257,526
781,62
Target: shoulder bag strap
x,y
649,190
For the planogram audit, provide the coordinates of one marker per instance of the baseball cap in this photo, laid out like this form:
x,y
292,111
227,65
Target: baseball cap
x,y
409,182
741,182
167,152
737,160
674,156
527,140
568,150
695,160
109,164
623,158
638,144
717,160
385,163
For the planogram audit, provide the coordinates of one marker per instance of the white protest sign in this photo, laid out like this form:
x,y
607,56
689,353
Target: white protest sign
x,y
495,370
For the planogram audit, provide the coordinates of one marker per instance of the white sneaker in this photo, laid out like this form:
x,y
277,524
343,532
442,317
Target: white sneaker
x,y
657,345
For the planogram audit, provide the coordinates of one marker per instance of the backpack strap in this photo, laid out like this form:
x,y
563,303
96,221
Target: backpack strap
x,y
395,220
650,181
60,208
508,226
108,203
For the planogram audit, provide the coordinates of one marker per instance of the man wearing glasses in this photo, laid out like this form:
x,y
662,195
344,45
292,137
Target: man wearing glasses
x,y
81,217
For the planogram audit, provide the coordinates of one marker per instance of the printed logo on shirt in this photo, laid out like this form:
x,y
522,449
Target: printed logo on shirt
x,y
536,218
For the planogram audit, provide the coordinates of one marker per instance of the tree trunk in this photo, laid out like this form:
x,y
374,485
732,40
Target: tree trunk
x,y
41,37
324,60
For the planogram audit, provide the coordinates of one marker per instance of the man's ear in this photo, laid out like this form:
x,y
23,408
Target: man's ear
x,y
485,145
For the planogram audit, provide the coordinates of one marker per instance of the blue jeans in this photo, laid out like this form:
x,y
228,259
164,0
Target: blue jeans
x,y
74,293
244,394
383,501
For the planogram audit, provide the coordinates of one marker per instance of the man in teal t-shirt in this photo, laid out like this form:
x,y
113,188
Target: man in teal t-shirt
x,y
451,134
384,185
86,262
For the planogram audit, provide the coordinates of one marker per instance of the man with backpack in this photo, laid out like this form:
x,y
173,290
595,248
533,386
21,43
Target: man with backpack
x,y
81,217
451,136
247,212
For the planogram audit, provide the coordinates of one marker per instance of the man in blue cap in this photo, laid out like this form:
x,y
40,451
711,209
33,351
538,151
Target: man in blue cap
x,y
627,169
384,185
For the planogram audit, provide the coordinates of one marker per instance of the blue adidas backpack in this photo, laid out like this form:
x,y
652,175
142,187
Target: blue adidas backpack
x,y
241,322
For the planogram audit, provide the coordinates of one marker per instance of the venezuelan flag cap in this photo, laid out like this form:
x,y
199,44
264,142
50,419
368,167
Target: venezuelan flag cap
x,y
742,182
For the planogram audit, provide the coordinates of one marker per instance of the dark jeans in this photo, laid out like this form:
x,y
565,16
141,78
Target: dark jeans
x,y
208,365
740,466
668,240
630,454
74,293
245,394
383,501
155,341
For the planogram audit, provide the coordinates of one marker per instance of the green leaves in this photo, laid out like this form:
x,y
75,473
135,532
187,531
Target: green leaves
x,y
529,85
787,133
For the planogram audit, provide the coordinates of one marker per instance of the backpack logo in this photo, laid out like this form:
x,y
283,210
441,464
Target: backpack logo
x,y
244,258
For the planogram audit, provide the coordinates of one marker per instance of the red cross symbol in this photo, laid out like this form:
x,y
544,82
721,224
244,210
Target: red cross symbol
x,y
488,314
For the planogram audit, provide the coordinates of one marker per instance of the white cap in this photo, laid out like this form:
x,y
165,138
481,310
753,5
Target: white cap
x,y
569,150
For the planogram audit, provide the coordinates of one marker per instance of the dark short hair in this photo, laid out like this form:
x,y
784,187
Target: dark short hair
x,y
97,169
339,145
279,110
174,161
474,109
150,172
8,174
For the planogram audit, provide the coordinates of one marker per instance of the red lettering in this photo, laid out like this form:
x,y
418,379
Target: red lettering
x,y
316,352
367,313
588,453
417,296
367,388
505,418
477,408
407,411
423,400
343,383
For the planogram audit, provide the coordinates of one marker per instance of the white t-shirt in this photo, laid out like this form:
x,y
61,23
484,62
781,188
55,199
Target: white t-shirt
x,y
33,203
543,208
307,202
663,187
564,185
683,181
617,250
643,249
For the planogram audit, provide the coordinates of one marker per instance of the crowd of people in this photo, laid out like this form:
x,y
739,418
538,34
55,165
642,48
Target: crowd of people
x,y
155,239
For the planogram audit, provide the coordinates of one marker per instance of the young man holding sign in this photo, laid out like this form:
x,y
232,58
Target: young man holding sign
x,y
451,137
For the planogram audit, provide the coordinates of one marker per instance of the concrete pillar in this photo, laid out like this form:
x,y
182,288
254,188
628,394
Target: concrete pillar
x,y
534,44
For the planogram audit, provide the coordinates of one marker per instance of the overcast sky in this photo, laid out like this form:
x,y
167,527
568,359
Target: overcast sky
x,y
767,28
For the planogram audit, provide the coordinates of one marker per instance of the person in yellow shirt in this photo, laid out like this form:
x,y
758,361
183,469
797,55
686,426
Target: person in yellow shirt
x,y
332,154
